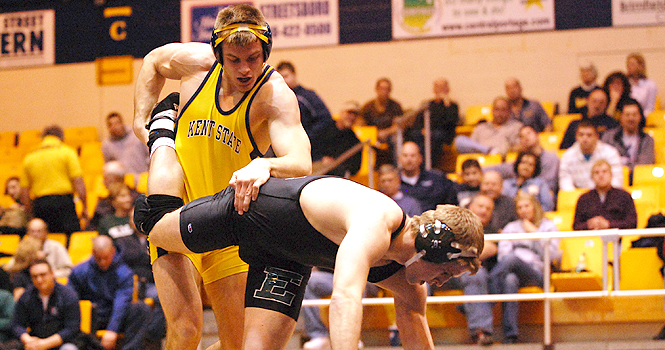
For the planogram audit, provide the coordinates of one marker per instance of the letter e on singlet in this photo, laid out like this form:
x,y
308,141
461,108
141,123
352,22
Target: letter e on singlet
x,y
275,285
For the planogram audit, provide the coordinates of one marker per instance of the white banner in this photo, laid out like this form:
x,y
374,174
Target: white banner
x,y
293,23
427,18
638,12
27,38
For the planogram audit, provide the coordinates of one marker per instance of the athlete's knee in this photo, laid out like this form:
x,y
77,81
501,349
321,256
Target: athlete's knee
x,y
183,332
149,210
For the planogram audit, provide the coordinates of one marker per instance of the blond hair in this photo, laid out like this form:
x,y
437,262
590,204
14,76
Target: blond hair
x,y
26,253
538,214
466,227
241,13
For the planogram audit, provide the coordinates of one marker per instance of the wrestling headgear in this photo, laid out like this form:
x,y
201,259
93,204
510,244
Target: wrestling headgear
x,y
262,32
434,243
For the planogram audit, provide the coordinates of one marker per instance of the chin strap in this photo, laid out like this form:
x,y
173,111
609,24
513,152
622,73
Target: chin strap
x,y
415,258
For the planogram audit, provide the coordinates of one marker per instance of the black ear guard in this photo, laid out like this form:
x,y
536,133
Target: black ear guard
x,y
262,32
434,243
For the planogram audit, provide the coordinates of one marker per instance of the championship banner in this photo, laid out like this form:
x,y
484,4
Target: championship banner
x,y
292,23
432,18
27,38
638,12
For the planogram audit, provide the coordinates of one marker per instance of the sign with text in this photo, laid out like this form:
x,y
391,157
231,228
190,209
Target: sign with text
x,y
638,12
27,38
431,18
292,23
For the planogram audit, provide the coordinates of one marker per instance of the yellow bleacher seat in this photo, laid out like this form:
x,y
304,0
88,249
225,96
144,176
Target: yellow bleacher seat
x,y
476,113
656,119
142,183
483,159
28,139
567,200
92,158
573,249
7,171
562,219
77,136
511,157
80,245
550,140
560,121
364,133
12,156
86,315
648,174
58,237
130,180
640,269
658,135
9,243
7,139
550,107
626,176
647,201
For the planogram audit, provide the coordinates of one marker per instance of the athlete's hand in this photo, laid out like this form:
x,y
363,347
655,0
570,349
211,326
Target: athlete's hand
x,y
247,182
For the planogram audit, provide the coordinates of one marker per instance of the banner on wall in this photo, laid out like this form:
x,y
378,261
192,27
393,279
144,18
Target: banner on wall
x,y
432,18
638,12
293,23
27,38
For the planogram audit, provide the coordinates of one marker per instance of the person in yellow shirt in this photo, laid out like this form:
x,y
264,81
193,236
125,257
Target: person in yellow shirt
x,y
234,109
51,175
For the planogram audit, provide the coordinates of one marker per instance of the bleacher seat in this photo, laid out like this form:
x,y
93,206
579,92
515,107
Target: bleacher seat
x,y
640,269
77,136
658,135
364,134
560,121
80,245
550,107
58,237
648,174
476,113
483,159
7,139
8,245
550,140
647,200
567,200
92,158
142,183
29,139
573,249
656,119
562,219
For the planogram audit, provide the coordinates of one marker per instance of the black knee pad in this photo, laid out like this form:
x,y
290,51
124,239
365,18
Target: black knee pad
x,y
149,210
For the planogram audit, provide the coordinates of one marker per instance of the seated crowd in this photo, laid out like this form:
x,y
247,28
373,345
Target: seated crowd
x,y
510,197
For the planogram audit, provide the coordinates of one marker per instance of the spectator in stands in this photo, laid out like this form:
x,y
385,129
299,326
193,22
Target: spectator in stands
x,y
107,282
549,161
13,218
529,112
339,139
443,114
527,180
54,252
577,161
577,101
606,206
498,136
595,114
113,173
504,206
634,145
124,147
117,225
641,89
472,175
479,315
429,187
314,115
7,303
52,173
617,87
521,263
389,184
47,316
384,113
18,267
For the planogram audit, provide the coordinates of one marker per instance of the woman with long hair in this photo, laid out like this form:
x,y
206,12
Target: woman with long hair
x,y
527,170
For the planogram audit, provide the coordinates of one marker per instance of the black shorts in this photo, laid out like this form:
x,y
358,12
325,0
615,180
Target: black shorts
x,y
206,223
280,289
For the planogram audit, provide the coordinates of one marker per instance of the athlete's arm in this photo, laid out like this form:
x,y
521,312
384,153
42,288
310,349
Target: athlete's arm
x,y
365,243
278,106
410,301
177,61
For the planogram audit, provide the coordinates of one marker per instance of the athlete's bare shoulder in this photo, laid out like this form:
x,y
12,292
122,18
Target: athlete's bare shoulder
x,y
181,60
275,98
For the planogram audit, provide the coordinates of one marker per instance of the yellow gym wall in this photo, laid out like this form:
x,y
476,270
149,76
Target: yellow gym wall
x,y
476,66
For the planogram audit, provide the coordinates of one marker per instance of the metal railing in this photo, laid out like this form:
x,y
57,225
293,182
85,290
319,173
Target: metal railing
x,y
607,236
